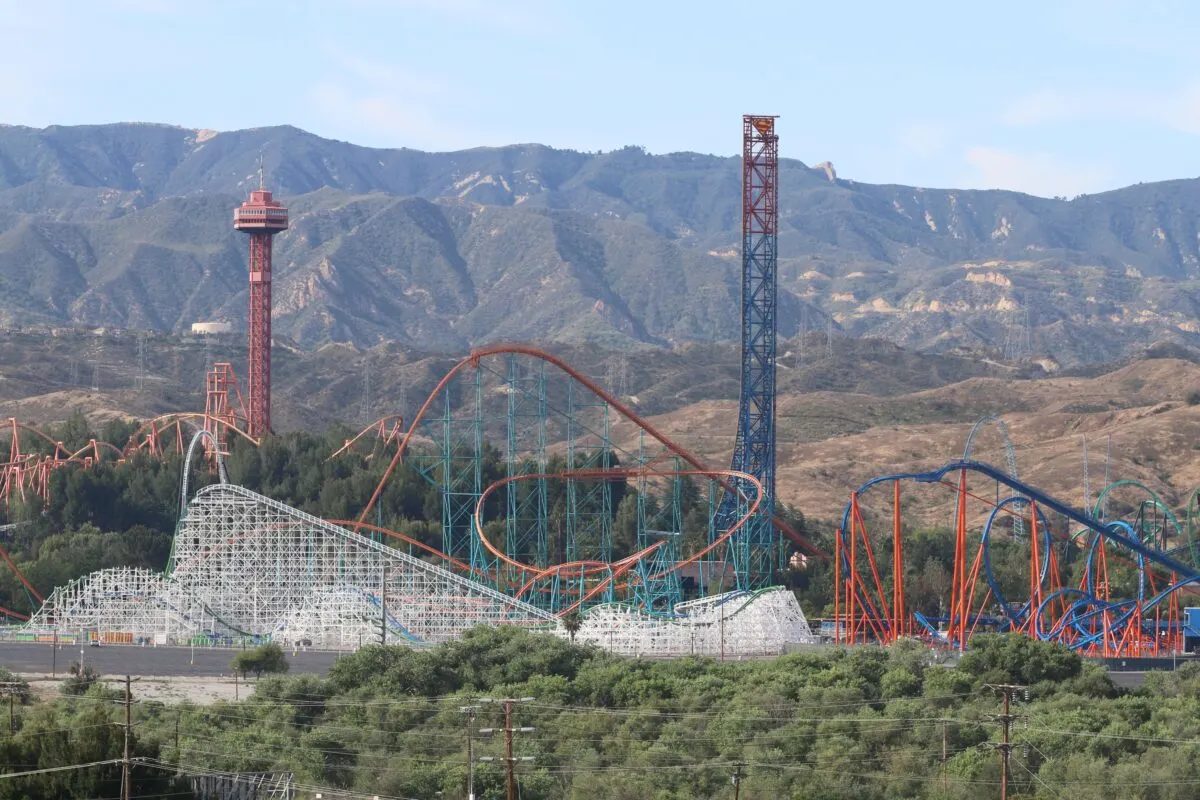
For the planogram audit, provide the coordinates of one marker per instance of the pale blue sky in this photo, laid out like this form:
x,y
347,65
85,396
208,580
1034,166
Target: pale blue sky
x,y
1049,97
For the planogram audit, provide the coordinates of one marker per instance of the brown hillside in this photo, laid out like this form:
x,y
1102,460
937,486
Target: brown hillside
x,y
831,443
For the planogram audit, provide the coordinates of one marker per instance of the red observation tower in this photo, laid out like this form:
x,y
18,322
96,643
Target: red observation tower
x,y
262,218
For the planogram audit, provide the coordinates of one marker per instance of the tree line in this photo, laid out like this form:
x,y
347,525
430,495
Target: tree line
x,y
823,724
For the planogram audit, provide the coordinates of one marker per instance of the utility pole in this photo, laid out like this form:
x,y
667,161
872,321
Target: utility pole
x,y
737,779
721,611
470,712
510,761
510,767
1005,749
945,756
126,794
11,690
383,605
1006,718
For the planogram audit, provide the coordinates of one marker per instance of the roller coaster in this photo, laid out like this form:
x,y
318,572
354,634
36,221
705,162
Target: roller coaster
x,y
588,508
558,499
1108,581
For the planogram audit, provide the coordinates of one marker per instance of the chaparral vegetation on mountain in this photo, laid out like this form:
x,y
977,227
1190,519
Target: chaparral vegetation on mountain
x,y
129,225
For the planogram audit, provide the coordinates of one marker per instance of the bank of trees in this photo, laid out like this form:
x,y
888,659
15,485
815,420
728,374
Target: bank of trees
x,y
836,723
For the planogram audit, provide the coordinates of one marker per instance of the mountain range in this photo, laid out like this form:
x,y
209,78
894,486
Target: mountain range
x,y
129,225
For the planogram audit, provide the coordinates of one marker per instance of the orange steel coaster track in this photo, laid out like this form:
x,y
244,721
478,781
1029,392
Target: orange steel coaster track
x,y
507,392
449,446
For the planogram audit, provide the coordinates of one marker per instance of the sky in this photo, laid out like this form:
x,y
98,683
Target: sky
x,y
1057,97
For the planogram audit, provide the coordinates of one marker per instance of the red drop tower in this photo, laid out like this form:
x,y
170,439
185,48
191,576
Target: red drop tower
x,y
262,218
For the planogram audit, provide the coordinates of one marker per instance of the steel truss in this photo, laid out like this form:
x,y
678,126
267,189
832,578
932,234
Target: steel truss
x,y
754,451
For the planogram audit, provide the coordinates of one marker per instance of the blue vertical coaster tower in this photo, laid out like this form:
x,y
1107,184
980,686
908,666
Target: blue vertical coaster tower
x,y
753,553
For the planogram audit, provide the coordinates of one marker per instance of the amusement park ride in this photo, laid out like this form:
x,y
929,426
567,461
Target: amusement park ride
x,y
696,575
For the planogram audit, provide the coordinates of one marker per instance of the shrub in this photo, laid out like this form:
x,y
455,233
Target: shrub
x,y
266,658
15,685
1013,658
79,679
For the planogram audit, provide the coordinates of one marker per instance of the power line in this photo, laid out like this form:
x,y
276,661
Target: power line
x,y
470,710
510,761
126,779
1007,691
48,770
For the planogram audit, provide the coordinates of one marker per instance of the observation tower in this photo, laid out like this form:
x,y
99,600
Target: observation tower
x,y
261,217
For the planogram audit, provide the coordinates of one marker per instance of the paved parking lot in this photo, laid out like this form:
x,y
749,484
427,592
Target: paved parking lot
x,y
40,659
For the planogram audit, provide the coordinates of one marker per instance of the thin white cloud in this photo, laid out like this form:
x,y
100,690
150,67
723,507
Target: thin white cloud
x,y
924,139
392,104
378,74
534,18
1176,109
393,120
1040,174
1139,28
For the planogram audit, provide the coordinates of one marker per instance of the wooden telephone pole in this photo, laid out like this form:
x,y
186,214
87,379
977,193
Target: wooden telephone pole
x,y
1006,717
126,787
470,712
510,761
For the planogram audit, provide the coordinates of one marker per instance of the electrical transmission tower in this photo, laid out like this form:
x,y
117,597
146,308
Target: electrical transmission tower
x,y
829,336
1087,488
803,330
364,403
1018,345
616,375
1027,331
208,359
140,380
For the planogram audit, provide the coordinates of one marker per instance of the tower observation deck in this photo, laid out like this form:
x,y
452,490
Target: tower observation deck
x,y
261,217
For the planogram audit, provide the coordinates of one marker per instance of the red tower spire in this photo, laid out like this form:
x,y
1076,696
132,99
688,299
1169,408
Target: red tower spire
x,y
262,218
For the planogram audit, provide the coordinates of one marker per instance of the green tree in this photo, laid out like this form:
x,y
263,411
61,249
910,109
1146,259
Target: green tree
x,y
79,679
262,659
572,623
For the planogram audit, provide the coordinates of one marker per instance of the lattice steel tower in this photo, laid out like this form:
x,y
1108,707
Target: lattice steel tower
x,y
754,451
262,218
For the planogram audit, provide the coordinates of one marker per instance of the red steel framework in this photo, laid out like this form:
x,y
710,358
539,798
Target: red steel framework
x,y
261,217
220,414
